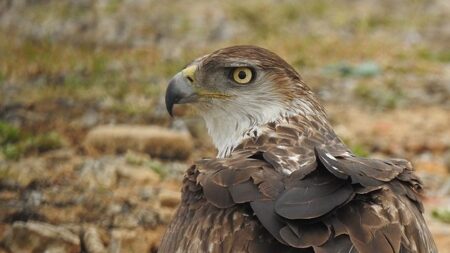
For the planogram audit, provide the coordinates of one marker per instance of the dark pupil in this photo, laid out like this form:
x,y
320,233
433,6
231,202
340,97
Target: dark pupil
x,y
242,74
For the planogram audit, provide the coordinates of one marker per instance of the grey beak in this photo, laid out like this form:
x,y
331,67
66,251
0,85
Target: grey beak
x,y
179,91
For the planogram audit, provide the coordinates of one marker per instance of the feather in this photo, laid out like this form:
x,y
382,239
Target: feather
x,y
368,172
340,244
285,182
266,215
305,235
245,192
217,195
314,196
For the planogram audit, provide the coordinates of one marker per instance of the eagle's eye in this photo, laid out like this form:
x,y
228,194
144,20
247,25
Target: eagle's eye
x,y
242,75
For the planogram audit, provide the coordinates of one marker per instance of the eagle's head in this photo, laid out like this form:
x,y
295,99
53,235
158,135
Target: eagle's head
x,y
238,90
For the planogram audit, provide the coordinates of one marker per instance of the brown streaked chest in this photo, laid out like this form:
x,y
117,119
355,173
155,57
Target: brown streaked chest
x,y
201,227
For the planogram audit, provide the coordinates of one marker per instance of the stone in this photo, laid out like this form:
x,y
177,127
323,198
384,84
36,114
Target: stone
x,y
34,236
109,171
434,167
166,214
126,220
136,240
147,193
447,160
169,198
138,174
89,118
98,173
148,218
92,242
156,141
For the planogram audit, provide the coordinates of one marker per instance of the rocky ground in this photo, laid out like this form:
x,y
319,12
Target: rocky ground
x,y
93,199
91,162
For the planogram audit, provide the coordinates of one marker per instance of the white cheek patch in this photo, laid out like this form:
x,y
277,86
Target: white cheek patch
x,y
230,122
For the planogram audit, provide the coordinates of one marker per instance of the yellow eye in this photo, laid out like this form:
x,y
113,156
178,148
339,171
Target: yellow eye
x,y
242,75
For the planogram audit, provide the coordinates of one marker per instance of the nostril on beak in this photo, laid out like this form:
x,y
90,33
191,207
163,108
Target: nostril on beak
x,y
189,73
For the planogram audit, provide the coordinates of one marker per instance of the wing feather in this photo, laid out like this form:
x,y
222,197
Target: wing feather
x,y
314,196
343,203
367,172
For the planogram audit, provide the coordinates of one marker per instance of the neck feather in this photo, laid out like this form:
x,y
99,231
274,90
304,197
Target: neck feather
x,y
229,127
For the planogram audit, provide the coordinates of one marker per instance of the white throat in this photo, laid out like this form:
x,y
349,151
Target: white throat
x,y
228,130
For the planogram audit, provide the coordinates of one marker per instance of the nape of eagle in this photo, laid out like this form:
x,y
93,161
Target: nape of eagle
x,y
283,181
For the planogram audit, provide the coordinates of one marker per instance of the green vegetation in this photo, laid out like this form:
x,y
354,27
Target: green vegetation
x,y
360,150
372,56
379,97
365,69
8,133
15,143
439,56
158,167
136,159
313,35
441,214
139,159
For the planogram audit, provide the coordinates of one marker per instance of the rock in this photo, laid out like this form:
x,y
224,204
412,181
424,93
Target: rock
x,y
444,189
126,220
166,214
433,167
3,229
175,170
33,198
148,218
75,228
432,183
169,198
89,118
59,155
113,209
98,173
447,160
147,193
155,141
135,158
92,242
120,237
138,174
43,237
108,172
136,240
27,170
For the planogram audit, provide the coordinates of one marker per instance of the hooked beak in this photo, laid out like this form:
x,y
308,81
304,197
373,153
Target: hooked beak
x,y
180,91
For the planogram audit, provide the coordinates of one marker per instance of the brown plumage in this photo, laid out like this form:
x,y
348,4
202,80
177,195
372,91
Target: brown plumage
x,y
290,184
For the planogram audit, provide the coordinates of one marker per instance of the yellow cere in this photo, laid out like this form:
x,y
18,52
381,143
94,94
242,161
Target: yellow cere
x,y
242,75
189,72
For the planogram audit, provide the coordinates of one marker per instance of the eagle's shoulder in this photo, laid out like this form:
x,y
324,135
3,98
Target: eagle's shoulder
x,y
338,203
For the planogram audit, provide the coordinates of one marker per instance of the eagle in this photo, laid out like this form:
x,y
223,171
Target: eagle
x,y
282,180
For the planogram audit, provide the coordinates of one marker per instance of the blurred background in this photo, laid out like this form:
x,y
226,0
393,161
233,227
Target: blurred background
x,y
91,162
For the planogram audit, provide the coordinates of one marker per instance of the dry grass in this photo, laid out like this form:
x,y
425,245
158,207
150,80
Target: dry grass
x,y
309,35
119,64
155,141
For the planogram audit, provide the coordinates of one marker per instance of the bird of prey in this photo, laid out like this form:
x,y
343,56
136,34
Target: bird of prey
x,y
282,180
